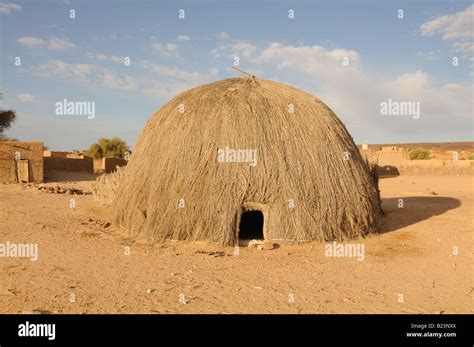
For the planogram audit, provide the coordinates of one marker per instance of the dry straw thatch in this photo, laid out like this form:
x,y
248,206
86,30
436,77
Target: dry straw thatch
x,y
300,159
105,187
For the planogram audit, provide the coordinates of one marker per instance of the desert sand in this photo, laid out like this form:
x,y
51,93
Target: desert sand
x,y
84,265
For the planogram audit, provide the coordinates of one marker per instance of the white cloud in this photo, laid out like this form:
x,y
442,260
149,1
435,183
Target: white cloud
x,y
217,52
243,49
464,47
102,57
96,56
182,38
25,97
158,90
453,88
172,47
53,44
429,55
457,26
59,44
165,90
169,49
213,72
176,81
117,59
112,36
355,94
9,7
171,81
313,59
84,73
193,78
223,35
239,49
31,41
112,81
61,69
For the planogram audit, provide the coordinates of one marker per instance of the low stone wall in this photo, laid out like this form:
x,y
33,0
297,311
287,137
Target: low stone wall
x,y
394,163
108,165
58,154
68,164
434,167
33,151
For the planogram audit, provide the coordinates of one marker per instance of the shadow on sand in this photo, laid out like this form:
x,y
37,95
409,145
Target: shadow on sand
x,y
68,176
388,171
414,210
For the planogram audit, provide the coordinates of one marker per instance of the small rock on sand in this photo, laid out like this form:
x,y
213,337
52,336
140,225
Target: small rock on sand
x,y
35,312
255,243
266,246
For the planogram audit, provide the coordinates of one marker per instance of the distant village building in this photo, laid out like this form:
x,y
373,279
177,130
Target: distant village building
x,y
21,162
57,154
108,165
67,161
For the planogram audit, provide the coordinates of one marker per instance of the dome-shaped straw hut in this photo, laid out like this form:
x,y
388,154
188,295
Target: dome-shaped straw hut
x,y
246,158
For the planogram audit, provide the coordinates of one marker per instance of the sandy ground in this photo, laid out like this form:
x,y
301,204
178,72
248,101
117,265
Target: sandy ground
x,y
82,266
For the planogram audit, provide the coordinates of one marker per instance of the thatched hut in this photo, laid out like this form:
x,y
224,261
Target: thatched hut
x,y
246,158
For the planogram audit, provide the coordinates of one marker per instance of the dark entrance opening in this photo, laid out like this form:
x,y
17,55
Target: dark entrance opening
x,y
251,225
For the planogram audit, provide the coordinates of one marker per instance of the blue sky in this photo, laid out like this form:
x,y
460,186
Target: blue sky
x,y
81,59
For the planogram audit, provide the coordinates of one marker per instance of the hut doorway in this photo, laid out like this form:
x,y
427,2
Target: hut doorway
x,y
251,225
